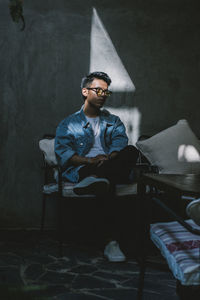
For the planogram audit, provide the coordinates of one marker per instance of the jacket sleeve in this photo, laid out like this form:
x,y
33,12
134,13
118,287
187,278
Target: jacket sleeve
x,y
119,138
64,145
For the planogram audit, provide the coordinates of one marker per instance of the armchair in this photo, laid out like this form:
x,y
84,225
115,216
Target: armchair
x,y
53,184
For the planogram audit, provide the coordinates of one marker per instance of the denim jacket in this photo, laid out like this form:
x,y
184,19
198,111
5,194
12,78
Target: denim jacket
x,y
74,135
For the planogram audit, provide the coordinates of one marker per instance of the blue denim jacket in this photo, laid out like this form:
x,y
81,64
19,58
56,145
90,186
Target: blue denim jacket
x,y
74,135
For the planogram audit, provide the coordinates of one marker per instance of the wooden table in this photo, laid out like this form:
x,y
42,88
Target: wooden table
x,y
188,184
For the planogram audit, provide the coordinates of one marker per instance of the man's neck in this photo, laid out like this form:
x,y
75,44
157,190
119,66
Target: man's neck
x,y
91,112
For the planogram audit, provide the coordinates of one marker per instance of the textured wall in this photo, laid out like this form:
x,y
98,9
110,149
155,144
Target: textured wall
x,y
41,68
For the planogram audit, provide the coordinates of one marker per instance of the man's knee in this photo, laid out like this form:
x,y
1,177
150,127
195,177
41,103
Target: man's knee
x,y
130,149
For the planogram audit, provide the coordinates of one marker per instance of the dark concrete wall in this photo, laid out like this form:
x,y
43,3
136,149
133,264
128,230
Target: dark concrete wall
x,y
41,68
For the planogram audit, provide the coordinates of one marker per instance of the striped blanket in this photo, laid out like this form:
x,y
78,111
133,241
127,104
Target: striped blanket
x,y
180,248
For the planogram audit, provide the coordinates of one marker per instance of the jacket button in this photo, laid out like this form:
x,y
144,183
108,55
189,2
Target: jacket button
x,y
81,144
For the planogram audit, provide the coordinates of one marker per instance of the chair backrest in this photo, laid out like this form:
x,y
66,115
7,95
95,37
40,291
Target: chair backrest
x,y
46,145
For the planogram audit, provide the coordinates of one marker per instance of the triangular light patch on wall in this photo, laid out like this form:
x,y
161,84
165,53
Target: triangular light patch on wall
x,y
104,57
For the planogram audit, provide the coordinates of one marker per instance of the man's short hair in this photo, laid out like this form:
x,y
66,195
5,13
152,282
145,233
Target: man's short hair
x,y
87,80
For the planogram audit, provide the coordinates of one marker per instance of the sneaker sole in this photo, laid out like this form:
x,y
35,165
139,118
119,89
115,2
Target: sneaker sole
x,y
95,188
115,259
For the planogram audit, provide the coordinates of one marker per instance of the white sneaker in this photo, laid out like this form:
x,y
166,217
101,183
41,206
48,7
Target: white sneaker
x,y
92,186
113,253
193,211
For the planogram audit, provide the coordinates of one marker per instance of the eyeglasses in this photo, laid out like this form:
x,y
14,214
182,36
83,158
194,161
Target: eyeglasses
x,y
99,91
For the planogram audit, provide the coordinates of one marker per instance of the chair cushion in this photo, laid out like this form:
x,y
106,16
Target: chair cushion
x,y
121,190
175,150
67,189
180,248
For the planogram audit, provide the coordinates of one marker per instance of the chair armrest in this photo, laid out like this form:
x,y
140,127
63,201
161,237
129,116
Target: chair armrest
x,y
176,217
193,211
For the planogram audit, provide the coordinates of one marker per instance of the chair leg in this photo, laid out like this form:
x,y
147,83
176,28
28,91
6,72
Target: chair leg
x,y
43,212
141,279
142,264
60,212
144,229
187,292
60,224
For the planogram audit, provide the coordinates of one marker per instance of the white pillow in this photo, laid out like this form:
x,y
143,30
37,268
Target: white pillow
x,y
47,147
175,150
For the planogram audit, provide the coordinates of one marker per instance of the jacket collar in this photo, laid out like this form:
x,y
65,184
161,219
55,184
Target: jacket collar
x,y
84,121
104,117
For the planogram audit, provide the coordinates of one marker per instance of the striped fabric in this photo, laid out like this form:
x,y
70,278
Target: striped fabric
x,y
180,248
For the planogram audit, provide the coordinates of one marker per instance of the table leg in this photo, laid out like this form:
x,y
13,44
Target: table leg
x,y
143,231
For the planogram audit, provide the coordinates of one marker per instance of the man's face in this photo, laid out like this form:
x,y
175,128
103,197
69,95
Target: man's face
x,y
92,97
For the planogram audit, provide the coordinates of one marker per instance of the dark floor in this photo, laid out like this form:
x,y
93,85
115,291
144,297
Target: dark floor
x,y
31,269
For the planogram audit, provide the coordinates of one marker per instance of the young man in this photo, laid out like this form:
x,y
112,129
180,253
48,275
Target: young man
x,y
91,146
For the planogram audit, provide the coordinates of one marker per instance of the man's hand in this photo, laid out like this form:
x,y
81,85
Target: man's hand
x,y
77,160
98,160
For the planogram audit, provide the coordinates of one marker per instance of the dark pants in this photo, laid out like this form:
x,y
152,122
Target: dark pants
x,y
116,170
